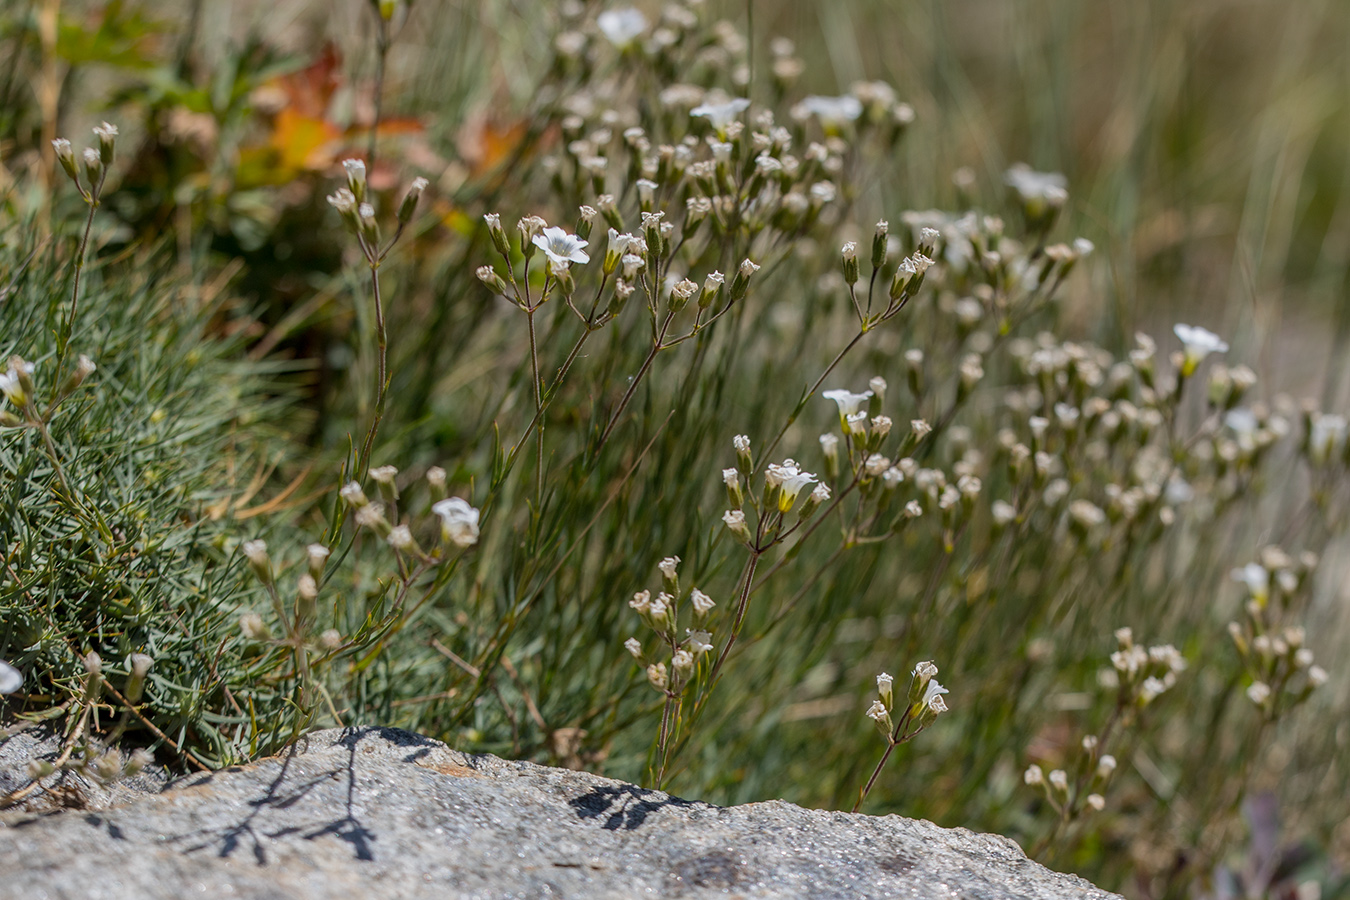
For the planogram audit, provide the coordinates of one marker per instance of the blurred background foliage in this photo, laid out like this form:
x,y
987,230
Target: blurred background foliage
x,y
1206,144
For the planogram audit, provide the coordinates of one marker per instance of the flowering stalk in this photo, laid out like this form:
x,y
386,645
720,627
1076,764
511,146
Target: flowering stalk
x,y
923,705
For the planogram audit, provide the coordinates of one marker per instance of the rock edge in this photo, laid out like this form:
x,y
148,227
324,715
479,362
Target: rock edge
x,y
388,813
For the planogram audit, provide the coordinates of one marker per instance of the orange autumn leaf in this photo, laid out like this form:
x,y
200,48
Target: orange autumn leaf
x,y
303,141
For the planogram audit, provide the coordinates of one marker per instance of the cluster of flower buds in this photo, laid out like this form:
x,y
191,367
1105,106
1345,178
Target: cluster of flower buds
x,y
784,484
357,208
16,385
676,662
1278,665
1141,674
1078,787
96,162
922,704
458,518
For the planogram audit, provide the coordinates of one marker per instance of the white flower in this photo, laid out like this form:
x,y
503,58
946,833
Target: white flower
x,y
701,601
1199,343
1326,438
256,551
1059,780
878,711
1029,184
667,567
1256,578
699,641
459,521
830,110
885,684
400,538
1106,765
848,402
633,646
932,695
1259,693
1151,688
1096,801
791,487
682,661
742,443
1034,775
1002,512
621,26
641,602
720,115
656,674
1317,676
562,247
351,493
11,679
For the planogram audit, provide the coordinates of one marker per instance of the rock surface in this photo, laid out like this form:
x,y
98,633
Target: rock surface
x,y
378,812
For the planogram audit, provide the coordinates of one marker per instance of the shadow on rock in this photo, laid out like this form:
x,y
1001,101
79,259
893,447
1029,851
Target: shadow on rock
x,y
625,806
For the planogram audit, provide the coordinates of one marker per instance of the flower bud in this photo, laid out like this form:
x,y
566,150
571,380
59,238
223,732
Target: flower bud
x,y
316,556
849,254
356,178
885,686
409,204
66,157
498,234
880,244
258,560
107,140
740,282
140,664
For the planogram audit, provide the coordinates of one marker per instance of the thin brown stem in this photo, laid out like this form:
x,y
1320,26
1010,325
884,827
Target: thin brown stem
x,y
68,325
382,384
538,411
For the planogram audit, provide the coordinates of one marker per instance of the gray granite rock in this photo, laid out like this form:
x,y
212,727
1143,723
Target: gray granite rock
x,y
378,812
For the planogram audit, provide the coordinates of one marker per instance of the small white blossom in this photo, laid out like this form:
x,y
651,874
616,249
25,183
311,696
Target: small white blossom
x,y
668,567
698,641
1199,343
703,604
1030,185
720,115
1256,578
459,521
847,401
831,111
562,247
1259,693
1034,775
621,26
633,646
11,679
